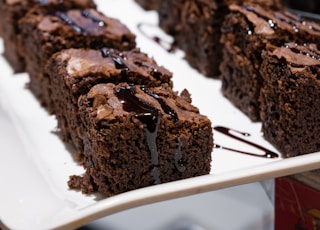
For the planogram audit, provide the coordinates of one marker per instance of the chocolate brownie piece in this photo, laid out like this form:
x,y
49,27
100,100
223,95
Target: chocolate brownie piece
x,y
13,10
195,26
45,34
290,98
149,4
136,137
72,72
245,33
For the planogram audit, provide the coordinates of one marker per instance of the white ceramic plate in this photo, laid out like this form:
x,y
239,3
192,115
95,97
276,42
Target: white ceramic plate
x,y
35,165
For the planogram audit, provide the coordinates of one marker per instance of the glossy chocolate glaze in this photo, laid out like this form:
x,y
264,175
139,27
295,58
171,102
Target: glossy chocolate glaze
x,y
150,118
165,107
168,46
227,131
64,17
178,158
84,13
87,14
117,61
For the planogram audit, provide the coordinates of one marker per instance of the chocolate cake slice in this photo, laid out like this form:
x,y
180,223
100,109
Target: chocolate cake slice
x,y
72,72
45,34
245,33
136,136
11,11
195,26
290,98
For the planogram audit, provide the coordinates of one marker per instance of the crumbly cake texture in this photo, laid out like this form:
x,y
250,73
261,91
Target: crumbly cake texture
x,y
290,98
245,33
11,11
46,34
149,4
73,72
195,26
136,137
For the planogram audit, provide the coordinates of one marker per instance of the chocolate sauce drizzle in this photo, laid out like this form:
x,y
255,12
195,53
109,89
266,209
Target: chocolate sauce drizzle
x,y
227,131
117,61
139,63
165,107
86,14
150,118
168,46
64,17
178,158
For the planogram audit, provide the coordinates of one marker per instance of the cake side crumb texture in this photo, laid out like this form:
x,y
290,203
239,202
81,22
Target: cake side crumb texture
x,y
290,98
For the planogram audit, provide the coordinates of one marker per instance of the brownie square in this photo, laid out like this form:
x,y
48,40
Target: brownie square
x,y
136,136
72,72
245,33
11,11
195,26
45,34
290,98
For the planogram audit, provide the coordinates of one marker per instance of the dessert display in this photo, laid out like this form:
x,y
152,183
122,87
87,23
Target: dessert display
x,y
10,13
290,97
45,34
136,136
72,72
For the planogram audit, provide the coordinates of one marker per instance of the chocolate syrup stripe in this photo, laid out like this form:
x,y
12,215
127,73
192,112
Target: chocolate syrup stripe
x,y
117,61
150,118
64,17
168,46
227,132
